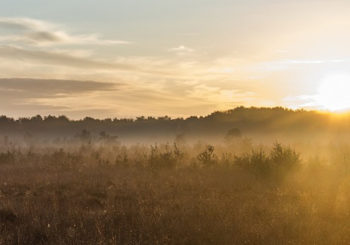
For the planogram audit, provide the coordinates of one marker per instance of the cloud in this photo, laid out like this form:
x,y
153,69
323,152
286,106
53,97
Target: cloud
x,y
182,50
324,61
24,96
60,58
150,85
290,63
23,24
69,59
27,96
302,101
37,32
35,88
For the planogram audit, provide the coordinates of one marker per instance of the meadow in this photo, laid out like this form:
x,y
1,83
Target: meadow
x,y
174,122
237,192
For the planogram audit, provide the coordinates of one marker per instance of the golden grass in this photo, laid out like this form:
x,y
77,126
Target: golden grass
x,y
125,196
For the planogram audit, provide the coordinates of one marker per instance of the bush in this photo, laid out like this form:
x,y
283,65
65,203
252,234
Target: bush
x,y
207,157
256,162
284,158
164,158
277,164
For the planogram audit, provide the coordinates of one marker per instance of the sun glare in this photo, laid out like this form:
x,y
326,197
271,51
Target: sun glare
x,y
334,93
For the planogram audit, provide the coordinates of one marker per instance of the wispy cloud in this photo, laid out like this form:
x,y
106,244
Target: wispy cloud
x,y
181,50
74,59
29,87
182,85
26,95
38,32
302,101
60,58
318,61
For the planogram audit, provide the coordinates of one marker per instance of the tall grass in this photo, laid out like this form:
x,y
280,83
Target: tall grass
x,y
172,194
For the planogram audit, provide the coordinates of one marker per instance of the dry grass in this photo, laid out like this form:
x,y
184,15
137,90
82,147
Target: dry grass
x,y
91,197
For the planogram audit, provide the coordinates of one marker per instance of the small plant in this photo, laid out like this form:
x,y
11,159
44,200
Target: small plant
x,y
207,157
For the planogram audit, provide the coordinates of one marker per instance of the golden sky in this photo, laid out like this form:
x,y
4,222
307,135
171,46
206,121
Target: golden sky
x,y
105,58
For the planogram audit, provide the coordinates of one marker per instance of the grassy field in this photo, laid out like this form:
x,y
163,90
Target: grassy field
x,y
172,195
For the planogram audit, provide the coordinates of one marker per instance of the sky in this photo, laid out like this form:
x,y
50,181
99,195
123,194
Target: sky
x,y
114,58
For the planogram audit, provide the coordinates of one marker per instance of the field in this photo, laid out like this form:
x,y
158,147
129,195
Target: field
x,y
183,122
234,193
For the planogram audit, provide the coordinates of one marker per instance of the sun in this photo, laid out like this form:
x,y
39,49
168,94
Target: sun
x,y
334,93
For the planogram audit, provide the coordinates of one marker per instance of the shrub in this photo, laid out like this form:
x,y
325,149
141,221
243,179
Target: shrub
x,y
276,165
256,162
207,157
168,157
284,158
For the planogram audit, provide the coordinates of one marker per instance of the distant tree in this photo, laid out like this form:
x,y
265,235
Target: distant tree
x,y
85,136
37,118
140,119
63,119
106,138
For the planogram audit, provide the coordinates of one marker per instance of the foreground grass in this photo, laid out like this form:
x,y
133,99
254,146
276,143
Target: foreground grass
x,y
47,201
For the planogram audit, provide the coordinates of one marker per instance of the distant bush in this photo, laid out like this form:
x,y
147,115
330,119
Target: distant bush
x,y
167,157
284,158
277,164
233,133
257,162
